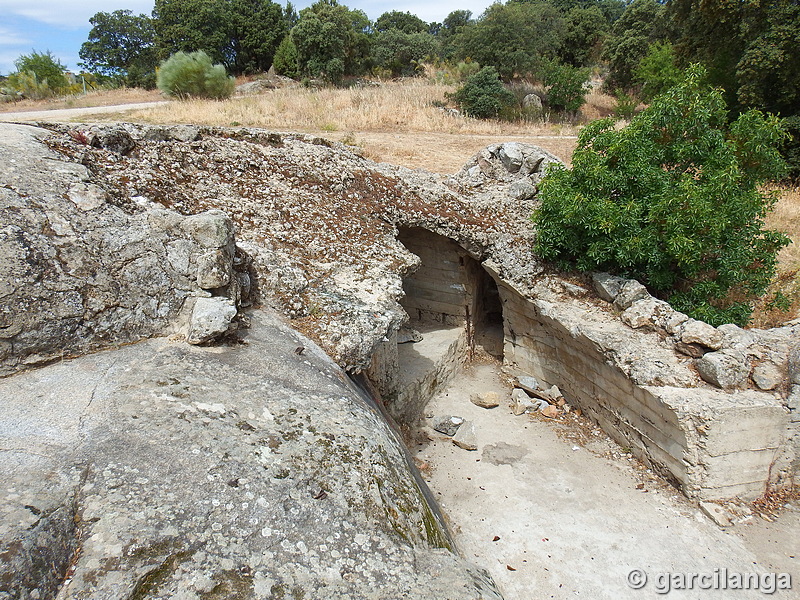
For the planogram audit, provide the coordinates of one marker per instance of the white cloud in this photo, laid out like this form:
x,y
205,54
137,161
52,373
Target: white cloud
x,y
68,13
12,38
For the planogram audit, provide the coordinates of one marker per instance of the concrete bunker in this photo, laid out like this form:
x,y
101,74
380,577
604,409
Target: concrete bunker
x,y
711,443
455,311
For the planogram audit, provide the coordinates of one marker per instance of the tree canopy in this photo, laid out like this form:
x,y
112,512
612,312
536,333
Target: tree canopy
x,y
242,35
121,45
672,199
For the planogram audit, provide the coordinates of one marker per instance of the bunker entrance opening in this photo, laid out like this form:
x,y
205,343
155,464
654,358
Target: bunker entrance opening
x,y
455,312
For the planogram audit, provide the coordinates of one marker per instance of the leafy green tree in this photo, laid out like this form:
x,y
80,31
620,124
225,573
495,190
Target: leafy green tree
x,y
193,75
121,45
673,199
285,62
610,9
402,21
243,35
401,52
191,25
586,29
643,23
567,86
331,41
45,69
257,28
514,37
657,72
751,50
290,16
456,21
483,95
454,24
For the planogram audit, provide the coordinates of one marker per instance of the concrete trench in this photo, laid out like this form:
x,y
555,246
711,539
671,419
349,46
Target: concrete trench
x,y
458,304
519,504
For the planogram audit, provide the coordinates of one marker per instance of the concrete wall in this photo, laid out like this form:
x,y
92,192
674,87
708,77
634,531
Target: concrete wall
x,y
712,444
439,290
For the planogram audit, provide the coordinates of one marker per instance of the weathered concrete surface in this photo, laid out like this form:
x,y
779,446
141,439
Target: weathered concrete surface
x,y
573,514
247,471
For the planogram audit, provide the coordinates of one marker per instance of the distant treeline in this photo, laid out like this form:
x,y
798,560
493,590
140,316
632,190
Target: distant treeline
x,y
748,48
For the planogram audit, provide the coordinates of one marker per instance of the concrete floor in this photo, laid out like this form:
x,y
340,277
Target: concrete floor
x,y
554,518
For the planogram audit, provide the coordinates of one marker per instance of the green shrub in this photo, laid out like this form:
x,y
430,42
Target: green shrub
x,y
26,85
483,95
568,87
192,75
466,69
626,105
657,72
672,199
285,61
45,70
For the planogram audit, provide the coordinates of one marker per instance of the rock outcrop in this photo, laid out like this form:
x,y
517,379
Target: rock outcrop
x,y
247,471
83,268
252,466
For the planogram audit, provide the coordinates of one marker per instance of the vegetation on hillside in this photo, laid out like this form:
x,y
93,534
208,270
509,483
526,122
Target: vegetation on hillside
x,y
520,60
638,47
674,199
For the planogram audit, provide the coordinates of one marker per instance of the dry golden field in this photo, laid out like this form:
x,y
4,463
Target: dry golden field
x,y
404,123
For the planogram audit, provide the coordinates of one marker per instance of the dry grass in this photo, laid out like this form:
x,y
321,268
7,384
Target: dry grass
x,y
397,122
598,105
786,218
91,99
405,106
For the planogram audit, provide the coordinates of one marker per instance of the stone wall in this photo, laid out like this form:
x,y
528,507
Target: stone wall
x,y
439,289
713,444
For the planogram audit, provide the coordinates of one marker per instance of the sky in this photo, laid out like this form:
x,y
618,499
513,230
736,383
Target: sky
x,y
61,26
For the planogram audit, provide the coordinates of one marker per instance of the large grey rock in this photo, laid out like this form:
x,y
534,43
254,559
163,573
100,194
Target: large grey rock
x,y
447,424
647,312
726,369
115,138
630,292
767,376
532,101
466,437
607,286
698,332
511,156
211,229
247,472
83,268
521,402
214,269
522,189
528,383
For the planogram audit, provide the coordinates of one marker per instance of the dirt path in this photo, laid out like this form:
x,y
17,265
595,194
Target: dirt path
x,y
69,114
552,518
